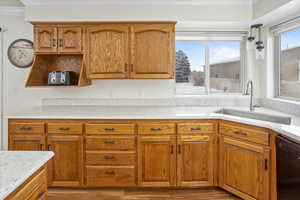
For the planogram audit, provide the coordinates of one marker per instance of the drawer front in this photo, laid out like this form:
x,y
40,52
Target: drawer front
x,y
196,128
156,128
110,176
110,158
94,129
252,135
110,142
28,128
65,128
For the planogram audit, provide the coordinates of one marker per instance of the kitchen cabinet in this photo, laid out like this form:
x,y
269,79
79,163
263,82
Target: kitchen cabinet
x,y
195,160
157,161
27,143
67,164
244,168
58,39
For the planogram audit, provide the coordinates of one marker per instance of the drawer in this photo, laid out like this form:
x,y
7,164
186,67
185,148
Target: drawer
x,y
110,158
27,128
94,129
110,142
34,189
65,128
196,128
110,176
257,135
156,128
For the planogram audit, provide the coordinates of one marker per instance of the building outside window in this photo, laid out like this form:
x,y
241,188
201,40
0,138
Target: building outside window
x,y
205,67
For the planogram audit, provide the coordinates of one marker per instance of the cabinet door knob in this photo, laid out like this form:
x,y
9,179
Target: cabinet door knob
x,y
195,129
179,149
54,42
109,157
64,129
155,129
25,128
109,129
109,172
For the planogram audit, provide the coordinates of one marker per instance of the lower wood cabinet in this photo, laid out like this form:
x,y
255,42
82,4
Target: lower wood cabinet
x,y
66,167
195,160
27,143
157,161
244,169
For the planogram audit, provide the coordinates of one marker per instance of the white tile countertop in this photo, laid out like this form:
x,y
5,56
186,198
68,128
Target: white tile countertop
x,y
156,112
17,166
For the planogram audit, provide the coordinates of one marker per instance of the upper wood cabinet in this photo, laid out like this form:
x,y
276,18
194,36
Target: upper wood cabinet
x,y
152,51
108,51
244,169
58,39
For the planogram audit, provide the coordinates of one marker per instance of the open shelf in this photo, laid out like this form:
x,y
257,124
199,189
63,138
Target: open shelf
x,y
43,64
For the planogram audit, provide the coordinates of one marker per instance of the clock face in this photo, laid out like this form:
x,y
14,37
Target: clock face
x,y
20,53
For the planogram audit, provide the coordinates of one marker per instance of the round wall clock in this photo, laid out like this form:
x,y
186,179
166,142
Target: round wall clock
x,y
20,53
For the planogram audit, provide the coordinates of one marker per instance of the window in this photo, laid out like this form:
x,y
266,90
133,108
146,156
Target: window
x,y
204,67
288,64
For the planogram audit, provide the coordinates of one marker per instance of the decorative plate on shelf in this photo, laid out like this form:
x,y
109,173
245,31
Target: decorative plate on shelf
x,y
20,53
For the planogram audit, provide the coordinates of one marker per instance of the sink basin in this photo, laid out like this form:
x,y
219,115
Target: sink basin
x,y
257,116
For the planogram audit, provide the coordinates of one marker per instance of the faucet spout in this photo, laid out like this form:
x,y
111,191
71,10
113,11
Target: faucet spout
x,y
250,85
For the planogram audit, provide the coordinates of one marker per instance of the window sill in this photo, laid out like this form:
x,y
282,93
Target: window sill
x,y
208,96
285,100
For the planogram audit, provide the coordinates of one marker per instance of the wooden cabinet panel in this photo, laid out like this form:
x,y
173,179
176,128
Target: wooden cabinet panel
x,y
157,161
108,48
152,51
45,39
26,143
65,128
66,167
110,142
244,169
156,128
110,158
252,134
70,39
196,128
111,129
195,157
110,176
27,128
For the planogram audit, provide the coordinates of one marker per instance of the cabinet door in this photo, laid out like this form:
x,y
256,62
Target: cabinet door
x,y
45,39
157,161
67,164
108,48
152,51
26,143
195,157
70,39
244,169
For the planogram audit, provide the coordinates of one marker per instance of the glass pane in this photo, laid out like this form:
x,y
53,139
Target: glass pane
x,y
225,67
190,67
290,64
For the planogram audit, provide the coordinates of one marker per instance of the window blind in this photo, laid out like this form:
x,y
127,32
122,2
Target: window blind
x,y
285,26
211,36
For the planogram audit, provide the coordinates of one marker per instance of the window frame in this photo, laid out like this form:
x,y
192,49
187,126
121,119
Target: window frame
x,y
277,60
207,50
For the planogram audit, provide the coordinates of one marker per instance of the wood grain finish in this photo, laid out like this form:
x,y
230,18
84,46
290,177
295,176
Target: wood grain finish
x,y
111,129
110,176
45,39
157,161
70,39
67,165
156,128
107,51
65,128
196,128
152,51
110,158
27,143
192,171
110,142
252,134
244,169
27,128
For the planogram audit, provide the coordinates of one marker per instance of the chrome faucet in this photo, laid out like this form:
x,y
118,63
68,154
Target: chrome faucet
x,y
250,83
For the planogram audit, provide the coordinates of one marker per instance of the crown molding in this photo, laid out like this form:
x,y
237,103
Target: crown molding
x,y
137,2
11,10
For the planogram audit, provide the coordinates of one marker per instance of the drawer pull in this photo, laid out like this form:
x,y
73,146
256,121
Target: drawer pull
x,y
109,142
25,128
240,133
195,129
64,129
109,129
109,157
110,172
155,129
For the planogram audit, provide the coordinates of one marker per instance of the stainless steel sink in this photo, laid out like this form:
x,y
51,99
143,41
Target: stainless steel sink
x,y
257,116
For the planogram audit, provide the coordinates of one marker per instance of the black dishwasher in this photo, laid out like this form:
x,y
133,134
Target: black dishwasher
x,y
288,169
